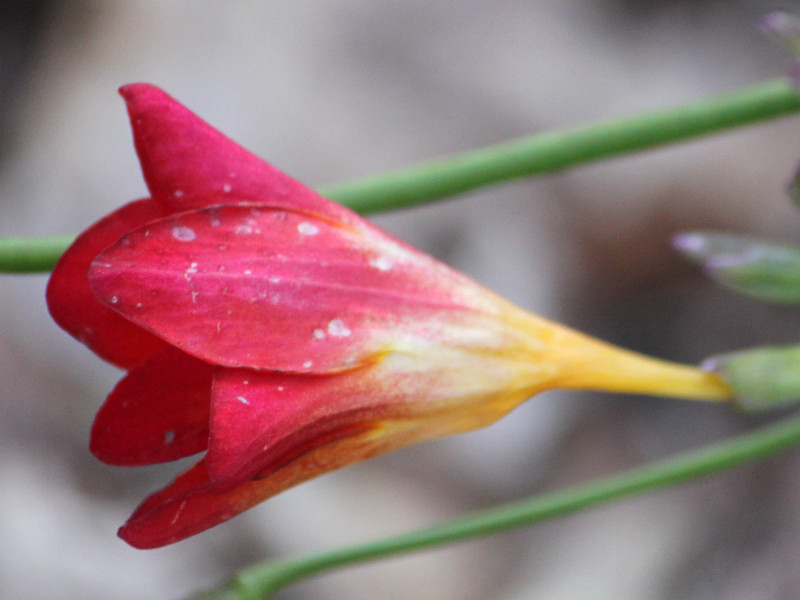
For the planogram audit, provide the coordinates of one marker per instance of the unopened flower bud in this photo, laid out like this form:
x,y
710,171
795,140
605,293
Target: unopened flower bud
x,y
761,378
761,269
784,28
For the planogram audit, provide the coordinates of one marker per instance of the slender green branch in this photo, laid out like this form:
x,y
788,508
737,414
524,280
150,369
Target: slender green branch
x,y
31,255
553,151
533,155
259,581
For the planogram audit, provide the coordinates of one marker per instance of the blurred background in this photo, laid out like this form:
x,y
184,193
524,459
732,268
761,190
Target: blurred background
x,y
329,91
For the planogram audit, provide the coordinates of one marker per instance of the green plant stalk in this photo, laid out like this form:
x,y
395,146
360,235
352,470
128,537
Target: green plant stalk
x,y
31,255
542,153
557,150
260,581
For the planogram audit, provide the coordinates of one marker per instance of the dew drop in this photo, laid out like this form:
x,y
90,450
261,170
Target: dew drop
x,y
338,328
183,234
243,400
307,229
382,263
319,334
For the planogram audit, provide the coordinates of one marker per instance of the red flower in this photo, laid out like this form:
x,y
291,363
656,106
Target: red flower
x,y
288,337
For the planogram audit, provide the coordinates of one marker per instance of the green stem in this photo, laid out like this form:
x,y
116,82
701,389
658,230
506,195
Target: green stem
x,y
260,581
533,155
31,255
553,151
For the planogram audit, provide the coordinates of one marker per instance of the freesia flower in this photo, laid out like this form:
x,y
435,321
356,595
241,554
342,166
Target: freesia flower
x,y
286,336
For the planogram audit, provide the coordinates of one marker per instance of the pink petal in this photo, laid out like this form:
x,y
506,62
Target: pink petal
x,y
245,286
157,413
189,164
75,308
192,503
261,421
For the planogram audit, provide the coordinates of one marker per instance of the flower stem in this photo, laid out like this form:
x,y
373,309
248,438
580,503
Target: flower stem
x,y
261,580
31,255
553,151
541,153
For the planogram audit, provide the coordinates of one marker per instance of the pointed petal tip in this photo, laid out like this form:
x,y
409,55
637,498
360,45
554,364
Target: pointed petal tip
x,y
131,91
134,538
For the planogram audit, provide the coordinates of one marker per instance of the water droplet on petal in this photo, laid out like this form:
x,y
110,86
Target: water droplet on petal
x,y
307,229
183,234
382,263
338,328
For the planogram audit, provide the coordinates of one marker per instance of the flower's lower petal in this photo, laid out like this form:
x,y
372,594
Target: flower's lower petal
x,y
271,431
254,287
193,503
158,412
75,308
